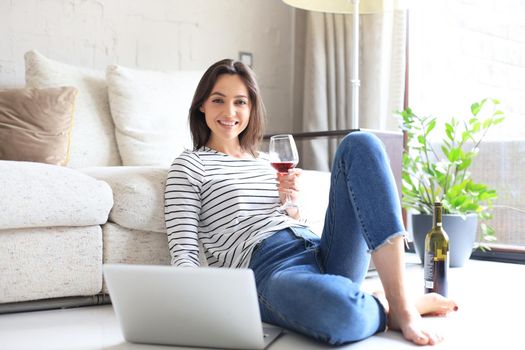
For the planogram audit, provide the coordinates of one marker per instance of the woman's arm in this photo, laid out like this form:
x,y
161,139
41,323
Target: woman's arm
x,y
182,206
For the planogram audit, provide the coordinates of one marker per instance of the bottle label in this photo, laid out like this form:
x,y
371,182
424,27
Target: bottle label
x,y
429,270
436,271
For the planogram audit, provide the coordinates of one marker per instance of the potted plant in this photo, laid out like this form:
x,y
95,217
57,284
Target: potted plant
x,y
438,170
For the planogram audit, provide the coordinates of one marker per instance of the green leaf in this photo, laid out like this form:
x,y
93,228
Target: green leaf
x,y
449,130
483,247
487,230
445,151
488,195
474,187
459,201
498,120
475,108
431,126
485,215
439,168
465,163
406,113
476,127
469,207
454,154
490,238
465,136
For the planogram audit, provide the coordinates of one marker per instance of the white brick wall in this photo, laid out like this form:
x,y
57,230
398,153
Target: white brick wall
x,y
154,34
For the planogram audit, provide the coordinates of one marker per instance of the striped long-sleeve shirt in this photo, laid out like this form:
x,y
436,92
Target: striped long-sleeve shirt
x,y
227,204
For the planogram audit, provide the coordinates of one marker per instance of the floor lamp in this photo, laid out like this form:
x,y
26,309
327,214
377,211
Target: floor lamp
x,y
354,7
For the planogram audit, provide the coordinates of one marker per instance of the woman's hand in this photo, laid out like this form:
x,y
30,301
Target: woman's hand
x,y
289,184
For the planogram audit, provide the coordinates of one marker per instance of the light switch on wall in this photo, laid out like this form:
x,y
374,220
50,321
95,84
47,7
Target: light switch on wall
x,y
246,58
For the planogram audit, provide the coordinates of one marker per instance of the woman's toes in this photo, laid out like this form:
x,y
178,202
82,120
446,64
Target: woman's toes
x,y
448,306
433,338
434,303
420,338
452,306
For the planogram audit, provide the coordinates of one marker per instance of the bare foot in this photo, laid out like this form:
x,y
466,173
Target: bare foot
x,y
408,319
431,304
434,304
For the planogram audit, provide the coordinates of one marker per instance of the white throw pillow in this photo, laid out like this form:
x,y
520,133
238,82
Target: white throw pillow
x,y
93,139
150,111
313,201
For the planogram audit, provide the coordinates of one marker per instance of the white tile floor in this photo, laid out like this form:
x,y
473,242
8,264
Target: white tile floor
x,y
491,297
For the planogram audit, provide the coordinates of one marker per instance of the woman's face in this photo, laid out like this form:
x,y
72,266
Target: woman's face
x,y
227,109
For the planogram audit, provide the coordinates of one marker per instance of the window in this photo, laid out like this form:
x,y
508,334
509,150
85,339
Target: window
x,y
462,51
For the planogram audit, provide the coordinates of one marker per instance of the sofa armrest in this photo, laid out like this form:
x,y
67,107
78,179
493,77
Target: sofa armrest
x,y
138,195
44,195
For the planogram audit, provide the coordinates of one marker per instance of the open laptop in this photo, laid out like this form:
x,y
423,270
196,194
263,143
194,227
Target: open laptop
x,y
201,307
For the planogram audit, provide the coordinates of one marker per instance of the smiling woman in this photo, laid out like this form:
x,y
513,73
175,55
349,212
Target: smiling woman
x,y
227,113
223,199
226,106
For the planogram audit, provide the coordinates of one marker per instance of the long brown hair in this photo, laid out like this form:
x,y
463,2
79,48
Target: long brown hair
x,y
250,137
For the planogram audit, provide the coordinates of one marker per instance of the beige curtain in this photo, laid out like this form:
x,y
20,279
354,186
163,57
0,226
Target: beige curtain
x,y
327,95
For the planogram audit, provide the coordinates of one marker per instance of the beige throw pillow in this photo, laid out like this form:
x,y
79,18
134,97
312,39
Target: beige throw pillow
x,y
93,137
35,124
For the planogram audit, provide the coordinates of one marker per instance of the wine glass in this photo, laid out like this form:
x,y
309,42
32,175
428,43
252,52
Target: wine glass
x,y
283,157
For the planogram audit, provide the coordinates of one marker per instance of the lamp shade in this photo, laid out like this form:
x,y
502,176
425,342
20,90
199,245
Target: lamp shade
x,y
345,6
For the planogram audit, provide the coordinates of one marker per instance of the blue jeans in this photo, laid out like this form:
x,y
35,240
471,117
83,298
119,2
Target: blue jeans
x,y
312,285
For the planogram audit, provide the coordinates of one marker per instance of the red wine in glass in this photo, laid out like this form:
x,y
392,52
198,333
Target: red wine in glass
x,y
283,167
283,157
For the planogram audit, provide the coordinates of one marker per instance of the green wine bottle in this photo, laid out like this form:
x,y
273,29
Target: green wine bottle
x,y
436,256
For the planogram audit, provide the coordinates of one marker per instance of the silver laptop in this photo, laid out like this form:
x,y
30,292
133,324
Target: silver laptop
x,y
201,307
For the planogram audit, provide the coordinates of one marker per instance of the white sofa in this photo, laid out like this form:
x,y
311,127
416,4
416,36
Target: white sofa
x,y
58,225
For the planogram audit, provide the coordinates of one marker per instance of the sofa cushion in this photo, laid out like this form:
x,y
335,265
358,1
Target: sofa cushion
x,y
39,195
313,200
138,195
93,136
41,263
35,124
150,111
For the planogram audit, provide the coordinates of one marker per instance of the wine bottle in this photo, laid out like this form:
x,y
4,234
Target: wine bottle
x,y
436,255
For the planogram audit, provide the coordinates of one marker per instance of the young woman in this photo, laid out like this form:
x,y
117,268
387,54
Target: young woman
x,y
224,197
